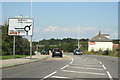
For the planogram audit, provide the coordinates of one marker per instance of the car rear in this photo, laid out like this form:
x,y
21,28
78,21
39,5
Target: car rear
x,y
45,52
77,52
57,52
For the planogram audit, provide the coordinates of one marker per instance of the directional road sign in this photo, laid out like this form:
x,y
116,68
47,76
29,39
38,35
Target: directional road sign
x,y
20,26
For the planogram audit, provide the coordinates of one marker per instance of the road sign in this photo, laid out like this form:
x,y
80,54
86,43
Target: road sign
x,y
20,26
91,43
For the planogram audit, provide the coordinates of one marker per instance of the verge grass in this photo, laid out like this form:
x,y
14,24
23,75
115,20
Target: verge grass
x,y
11,56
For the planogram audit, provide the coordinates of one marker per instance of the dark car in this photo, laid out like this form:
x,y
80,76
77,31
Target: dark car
x,y
77,52
45,52
57,52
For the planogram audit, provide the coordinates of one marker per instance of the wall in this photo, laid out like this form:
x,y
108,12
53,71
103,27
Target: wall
x,y
96,46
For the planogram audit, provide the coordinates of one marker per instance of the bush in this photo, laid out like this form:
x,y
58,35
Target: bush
x,y
106,52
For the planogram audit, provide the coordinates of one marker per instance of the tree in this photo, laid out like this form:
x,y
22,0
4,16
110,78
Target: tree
x,y
22,44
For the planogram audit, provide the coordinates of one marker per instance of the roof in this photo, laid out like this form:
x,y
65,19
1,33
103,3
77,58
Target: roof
x,y
101,38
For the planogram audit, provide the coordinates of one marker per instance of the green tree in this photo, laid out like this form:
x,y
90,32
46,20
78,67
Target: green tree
x,y
22,44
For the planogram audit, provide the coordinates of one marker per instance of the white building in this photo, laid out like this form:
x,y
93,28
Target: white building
x,y
100,42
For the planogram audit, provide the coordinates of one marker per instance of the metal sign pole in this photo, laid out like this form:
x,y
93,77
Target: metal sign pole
x,y
31,35
14,47
30,47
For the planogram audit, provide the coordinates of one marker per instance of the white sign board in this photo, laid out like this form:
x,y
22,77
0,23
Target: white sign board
x,y
20,26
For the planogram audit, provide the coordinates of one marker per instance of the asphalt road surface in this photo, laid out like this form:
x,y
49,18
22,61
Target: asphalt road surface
x,y
70,67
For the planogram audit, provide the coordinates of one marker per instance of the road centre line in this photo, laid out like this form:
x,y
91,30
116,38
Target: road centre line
x,y
64,67
60,77
104,66
85,68
84,72
68,64
109,75
71,61
49,75
100,62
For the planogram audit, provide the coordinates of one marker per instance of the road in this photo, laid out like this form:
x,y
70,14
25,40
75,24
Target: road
x,y
70,67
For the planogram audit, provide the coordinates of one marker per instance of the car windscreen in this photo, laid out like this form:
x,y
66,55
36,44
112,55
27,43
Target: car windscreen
x,y
77,50
57,50
45,50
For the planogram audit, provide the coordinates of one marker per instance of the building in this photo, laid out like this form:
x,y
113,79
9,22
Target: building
x,y
100,42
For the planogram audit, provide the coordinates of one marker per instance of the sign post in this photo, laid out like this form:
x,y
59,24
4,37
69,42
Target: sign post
x,y
14,47
31,47
20,27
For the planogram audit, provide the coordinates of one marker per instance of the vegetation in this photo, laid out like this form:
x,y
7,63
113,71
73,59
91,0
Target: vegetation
x,y
11,56
67,44
114,53
21,44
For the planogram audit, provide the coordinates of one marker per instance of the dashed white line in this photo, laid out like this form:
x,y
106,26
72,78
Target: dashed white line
x,y
85,68
64,67
59,77
100,62
68,64
104,66
49,75
109,75
83,72
71,61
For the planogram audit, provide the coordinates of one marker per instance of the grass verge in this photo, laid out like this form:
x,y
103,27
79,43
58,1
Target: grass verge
x,y
11,56
104,53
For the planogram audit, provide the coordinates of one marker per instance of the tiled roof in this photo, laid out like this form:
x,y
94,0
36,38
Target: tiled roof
x,y
101,38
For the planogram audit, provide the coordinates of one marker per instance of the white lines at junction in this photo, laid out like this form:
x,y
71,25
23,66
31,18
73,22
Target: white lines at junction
x,y
64,67
108,73
86,65
60,77
85,68
83,72
49,75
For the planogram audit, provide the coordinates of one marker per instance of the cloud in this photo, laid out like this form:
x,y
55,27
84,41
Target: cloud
x,y
68,29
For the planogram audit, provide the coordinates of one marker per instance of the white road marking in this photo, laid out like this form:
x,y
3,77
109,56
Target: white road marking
x,y
59,77
100,62
50,75
64,67
109,75
104,66
84,72
85,68
87,65
71,61
68,64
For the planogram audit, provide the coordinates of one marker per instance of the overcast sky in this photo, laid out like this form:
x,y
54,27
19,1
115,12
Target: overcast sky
x,y
62,19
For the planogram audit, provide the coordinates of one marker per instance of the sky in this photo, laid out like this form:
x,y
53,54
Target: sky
x,y
66,19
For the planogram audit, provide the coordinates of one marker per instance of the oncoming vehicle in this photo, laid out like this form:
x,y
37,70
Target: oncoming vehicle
x,y
45,52
77,52
57,52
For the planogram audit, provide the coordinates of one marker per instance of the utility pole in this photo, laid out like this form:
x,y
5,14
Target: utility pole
x,y
31,35
13,46
78,38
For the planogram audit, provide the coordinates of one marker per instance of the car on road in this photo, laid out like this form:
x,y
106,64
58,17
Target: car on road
x,y
57,52
45,52
77,52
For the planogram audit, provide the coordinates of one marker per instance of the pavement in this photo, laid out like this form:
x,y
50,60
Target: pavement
x,y
19,61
